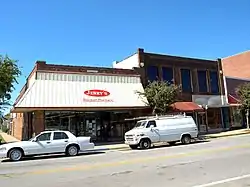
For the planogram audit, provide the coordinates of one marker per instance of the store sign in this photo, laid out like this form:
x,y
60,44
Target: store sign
x,y
97,93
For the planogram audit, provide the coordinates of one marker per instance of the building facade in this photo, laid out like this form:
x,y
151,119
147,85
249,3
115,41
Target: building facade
x,y
201,81
236,72
88,101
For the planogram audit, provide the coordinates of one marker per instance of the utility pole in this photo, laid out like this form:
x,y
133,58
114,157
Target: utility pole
x,y
247,116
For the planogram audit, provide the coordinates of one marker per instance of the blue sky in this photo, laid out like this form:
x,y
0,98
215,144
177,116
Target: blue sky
x,y
98,32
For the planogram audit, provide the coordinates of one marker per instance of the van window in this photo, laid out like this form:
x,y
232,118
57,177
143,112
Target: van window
x,y
151,123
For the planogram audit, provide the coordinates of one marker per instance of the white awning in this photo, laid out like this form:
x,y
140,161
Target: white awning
x,y
73,94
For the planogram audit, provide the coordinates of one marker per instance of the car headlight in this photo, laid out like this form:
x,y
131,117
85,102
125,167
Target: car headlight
x,y
2,148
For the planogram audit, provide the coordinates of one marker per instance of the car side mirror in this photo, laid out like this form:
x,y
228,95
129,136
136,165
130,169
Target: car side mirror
x,y
151,126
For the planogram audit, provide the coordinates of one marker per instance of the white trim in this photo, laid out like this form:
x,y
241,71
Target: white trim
x,y
240,53
237,78
225,88
215,183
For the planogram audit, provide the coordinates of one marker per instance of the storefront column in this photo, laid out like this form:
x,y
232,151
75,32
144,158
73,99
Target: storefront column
x,y
38,122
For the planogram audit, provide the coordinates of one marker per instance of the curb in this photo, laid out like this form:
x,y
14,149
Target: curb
x,y
228,135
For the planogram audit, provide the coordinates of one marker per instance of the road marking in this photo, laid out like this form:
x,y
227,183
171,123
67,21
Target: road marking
x,y
133,161
224,181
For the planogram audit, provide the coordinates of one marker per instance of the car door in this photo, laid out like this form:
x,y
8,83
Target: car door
x,y
154,131
59,142
43,141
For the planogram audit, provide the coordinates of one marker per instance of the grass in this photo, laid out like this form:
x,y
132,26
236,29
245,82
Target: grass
x,y
1,140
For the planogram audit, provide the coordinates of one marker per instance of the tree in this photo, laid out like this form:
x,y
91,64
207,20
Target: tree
x,y
160,96
243,92
9,72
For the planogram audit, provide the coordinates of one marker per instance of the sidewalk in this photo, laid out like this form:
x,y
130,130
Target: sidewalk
x,y
7,138
122,146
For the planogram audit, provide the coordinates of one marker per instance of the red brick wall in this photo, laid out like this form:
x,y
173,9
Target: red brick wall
x,y
237,65
38,122
17,126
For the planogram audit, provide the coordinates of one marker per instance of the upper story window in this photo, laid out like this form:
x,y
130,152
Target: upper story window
x,y
186,82
202,80
214,82
168,75
152,73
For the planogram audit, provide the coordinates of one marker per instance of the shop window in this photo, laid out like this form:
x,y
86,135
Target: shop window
x,y
167,74
214,82
186,80
152,73
202,80
214,118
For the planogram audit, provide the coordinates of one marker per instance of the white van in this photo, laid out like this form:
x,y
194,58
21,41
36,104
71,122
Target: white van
x,y
170,129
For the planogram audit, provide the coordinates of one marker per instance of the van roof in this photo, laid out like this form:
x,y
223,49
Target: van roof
x,y
165,117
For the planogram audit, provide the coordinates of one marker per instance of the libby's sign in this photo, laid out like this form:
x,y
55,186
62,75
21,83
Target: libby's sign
x,y
97,93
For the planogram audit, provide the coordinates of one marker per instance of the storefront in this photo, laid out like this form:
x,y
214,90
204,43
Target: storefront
x,y
87,104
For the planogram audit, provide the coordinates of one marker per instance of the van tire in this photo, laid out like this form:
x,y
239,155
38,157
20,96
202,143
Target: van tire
x,y
186,139
145,144
133,146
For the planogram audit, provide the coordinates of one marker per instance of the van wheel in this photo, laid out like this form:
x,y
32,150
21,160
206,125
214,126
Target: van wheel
x,y
186,139
171,143
145,144
133,146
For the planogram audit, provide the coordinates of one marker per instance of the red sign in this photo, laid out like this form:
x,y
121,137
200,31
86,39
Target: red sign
x,y
97,93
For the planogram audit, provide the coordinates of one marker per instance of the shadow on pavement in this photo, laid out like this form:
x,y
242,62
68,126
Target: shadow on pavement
x,y
179,144
43,157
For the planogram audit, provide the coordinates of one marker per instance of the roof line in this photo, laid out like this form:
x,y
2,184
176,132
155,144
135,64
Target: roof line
x,y
118,61
240,53
238,78
181,57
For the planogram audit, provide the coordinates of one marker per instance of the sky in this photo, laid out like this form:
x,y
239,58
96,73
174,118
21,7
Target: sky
x,y
98,32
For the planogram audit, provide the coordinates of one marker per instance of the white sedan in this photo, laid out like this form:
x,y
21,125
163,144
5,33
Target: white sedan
x,y
47,142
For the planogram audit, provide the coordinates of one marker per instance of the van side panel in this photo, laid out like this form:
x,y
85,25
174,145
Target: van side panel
x,y
172,129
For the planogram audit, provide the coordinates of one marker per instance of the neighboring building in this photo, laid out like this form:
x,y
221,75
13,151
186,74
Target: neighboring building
x,y
89,101
237,66
236,72
201,80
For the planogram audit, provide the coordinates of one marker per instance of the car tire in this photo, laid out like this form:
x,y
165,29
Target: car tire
x,y
15,154
186,139
133,146
145,144
72,150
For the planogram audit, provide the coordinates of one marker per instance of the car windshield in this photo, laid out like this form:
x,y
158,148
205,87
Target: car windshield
x,y
140,124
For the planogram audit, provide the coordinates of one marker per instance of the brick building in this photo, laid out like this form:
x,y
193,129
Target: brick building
x,y
201,80
236,72
89,101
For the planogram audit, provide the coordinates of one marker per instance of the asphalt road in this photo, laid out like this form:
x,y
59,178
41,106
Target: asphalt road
x,y
222,162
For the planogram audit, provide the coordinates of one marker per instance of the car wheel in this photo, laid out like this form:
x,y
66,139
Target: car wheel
x,y
72,150
133,146
15,155
145,144
186,139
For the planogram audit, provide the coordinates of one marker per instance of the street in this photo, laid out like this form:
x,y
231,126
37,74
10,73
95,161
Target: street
x,y
223,162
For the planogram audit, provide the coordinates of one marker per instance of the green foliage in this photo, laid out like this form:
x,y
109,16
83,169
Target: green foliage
x,y
9,72
243,92
160,96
